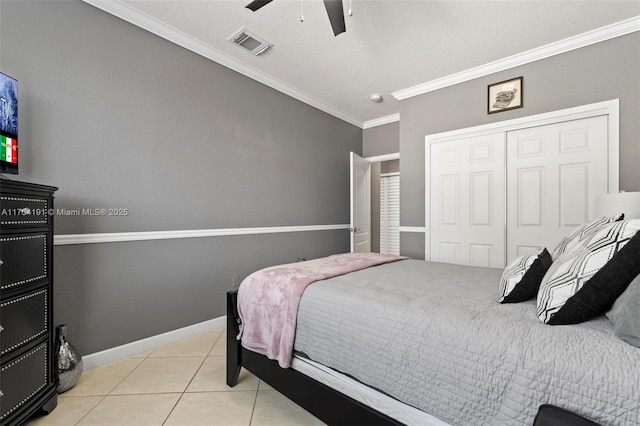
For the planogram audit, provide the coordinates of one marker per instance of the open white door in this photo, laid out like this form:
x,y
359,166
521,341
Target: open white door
x,y
360,204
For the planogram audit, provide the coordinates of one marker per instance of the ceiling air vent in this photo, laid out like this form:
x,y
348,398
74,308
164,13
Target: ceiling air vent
x,y
248,40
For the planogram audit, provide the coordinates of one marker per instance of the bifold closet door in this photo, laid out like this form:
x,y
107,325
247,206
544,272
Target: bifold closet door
x,y
554,174
390,214
467,201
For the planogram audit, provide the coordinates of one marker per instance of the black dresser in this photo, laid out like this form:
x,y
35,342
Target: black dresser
x,y
27,345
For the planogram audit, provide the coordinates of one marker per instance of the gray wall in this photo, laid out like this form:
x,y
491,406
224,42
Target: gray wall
x,y
600,72
381,140
391,166
120,118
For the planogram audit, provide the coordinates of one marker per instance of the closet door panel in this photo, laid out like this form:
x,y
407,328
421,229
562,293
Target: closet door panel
x,y
574,194
530,193
467,201
554,174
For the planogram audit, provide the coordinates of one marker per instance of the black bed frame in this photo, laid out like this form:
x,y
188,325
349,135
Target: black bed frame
x,y
327,404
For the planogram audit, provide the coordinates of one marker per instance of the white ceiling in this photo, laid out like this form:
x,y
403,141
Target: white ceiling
x,y
389,45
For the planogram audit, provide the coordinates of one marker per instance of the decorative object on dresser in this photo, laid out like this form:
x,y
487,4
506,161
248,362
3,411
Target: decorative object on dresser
x,y
68,361
27,368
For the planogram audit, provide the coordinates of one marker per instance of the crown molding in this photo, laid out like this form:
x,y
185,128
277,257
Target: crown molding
x,y
575,42
133,16
383,157
381,121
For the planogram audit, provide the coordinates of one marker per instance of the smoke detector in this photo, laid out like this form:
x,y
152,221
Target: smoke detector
x,y
376,97
250,41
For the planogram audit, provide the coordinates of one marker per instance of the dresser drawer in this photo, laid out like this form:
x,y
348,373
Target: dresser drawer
x,y
23,210
22,379
23,319
24,259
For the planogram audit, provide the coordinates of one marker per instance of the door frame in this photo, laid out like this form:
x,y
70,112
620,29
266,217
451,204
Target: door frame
x,y
610,108
371,159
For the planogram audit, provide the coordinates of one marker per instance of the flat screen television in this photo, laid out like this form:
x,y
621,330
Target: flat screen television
x,y
8,124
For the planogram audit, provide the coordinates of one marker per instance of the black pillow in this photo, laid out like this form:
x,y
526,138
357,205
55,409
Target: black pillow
x,y
549,415
521,279
603,288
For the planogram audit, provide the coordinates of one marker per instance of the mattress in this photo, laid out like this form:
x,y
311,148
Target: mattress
x,y
433,336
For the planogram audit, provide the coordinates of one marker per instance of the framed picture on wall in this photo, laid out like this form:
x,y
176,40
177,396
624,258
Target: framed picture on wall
x,y
505,96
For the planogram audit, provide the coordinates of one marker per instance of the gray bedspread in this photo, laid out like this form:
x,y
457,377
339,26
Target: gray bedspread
x,y
433,336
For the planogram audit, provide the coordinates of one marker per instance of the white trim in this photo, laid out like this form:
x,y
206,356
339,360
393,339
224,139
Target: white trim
x,y
413,229
389,174
562,46
384,157
609,108
112,237
151,24
127,350
381,121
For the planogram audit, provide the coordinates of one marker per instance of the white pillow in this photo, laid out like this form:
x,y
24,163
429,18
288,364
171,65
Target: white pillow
x,y
571,241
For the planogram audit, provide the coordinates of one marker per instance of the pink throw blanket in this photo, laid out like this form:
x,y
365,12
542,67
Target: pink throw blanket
x,y
268,299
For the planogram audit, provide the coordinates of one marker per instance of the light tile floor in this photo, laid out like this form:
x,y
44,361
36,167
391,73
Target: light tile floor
x,y
182,384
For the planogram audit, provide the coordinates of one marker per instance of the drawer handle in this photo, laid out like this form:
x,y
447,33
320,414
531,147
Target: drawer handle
x,y
1,328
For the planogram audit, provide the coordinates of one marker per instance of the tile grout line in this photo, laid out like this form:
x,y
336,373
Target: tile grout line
x,y
194,375
190,381
128,374
255,401
115,386
92,408
142,359
112,389
216,342
172,408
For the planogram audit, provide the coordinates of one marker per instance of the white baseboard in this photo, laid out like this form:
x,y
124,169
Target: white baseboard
x,y
118,353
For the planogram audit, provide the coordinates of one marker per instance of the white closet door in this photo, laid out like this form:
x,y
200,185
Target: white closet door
x,y
467,201
554,174
390,214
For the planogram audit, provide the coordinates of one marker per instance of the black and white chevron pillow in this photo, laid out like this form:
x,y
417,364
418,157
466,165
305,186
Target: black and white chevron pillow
x,y
521,278
584,283
572,240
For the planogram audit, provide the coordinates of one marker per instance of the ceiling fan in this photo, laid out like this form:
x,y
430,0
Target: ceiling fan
x,y
334,10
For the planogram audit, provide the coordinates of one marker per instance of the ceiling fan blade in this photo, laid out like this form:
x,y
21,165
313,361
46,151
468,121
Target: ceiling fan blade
x,y
336,15
257,4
